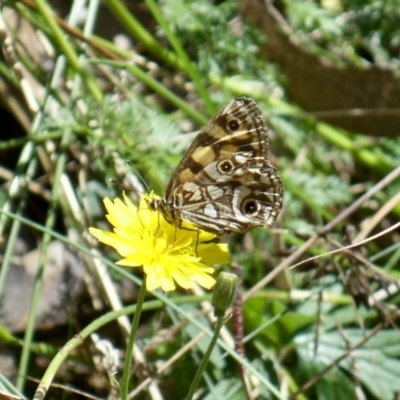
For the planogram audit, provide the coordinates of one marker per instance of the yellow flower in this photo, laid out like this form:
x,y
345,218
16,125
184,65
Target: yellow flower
x,y
169,254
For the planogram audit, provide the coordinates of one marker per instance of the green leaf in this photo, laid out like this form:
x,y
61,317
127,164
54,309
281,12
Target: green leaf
x,y
373,364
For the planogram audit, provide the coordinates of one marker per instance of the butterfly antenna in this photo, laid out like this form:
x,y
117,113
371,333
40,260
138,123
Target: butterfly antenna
x,y
138,175
122,185
135,182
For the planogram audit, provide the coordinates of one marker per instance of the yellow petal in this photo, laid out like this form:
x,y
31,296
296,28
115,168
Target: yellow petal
x,y
170,254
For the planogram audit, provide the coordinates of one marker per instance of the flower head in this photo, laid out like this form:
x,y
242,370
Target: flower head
x,y
169,254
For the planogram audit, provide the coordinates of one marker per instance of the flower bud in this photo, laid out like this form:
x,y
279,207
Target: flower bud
x,y
224,292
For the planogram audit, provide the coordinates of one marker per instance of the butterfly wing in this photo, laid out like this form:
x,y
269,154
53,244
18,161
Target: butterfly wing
x,y
225,183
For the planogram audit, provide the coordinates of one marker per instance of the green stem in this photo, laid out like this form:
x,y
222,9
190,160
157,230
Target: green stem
x,y
204,361
136,29
159,88
180,51
67,49
131,342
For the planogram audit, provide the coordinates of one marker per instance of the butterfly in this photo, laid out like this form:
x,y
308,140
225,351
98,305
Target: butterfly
x,y
225,183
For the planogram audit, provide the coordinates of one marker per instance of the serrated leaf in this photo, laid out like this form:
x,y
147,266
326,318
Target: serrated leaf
x,y
373,364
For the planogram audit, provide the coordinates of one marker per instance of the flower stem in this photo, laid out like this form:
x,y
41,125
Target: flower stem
x,y
131,342
204,361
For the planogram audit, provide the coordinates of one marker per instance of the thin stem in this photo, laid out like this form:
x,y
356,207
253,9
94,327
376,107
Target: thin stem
x,y
142,35
67,49
181,52
204,361
131,342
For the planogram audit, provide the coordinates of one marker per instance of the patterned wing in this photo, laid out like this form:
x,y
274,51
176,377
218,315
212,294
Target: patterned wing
x,y
225,183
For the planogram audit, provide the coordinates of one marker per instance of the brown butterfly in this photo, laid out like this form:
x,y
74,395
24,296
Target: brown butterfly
x,y
225,182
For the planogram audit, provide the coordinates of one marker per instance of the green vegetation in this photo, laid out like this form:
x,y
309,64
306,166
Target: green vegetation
x,y
325,329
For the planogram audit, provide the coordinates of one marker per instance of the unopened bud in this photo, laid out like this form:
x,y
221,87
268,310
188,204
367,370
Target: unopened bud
x,y
224,292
